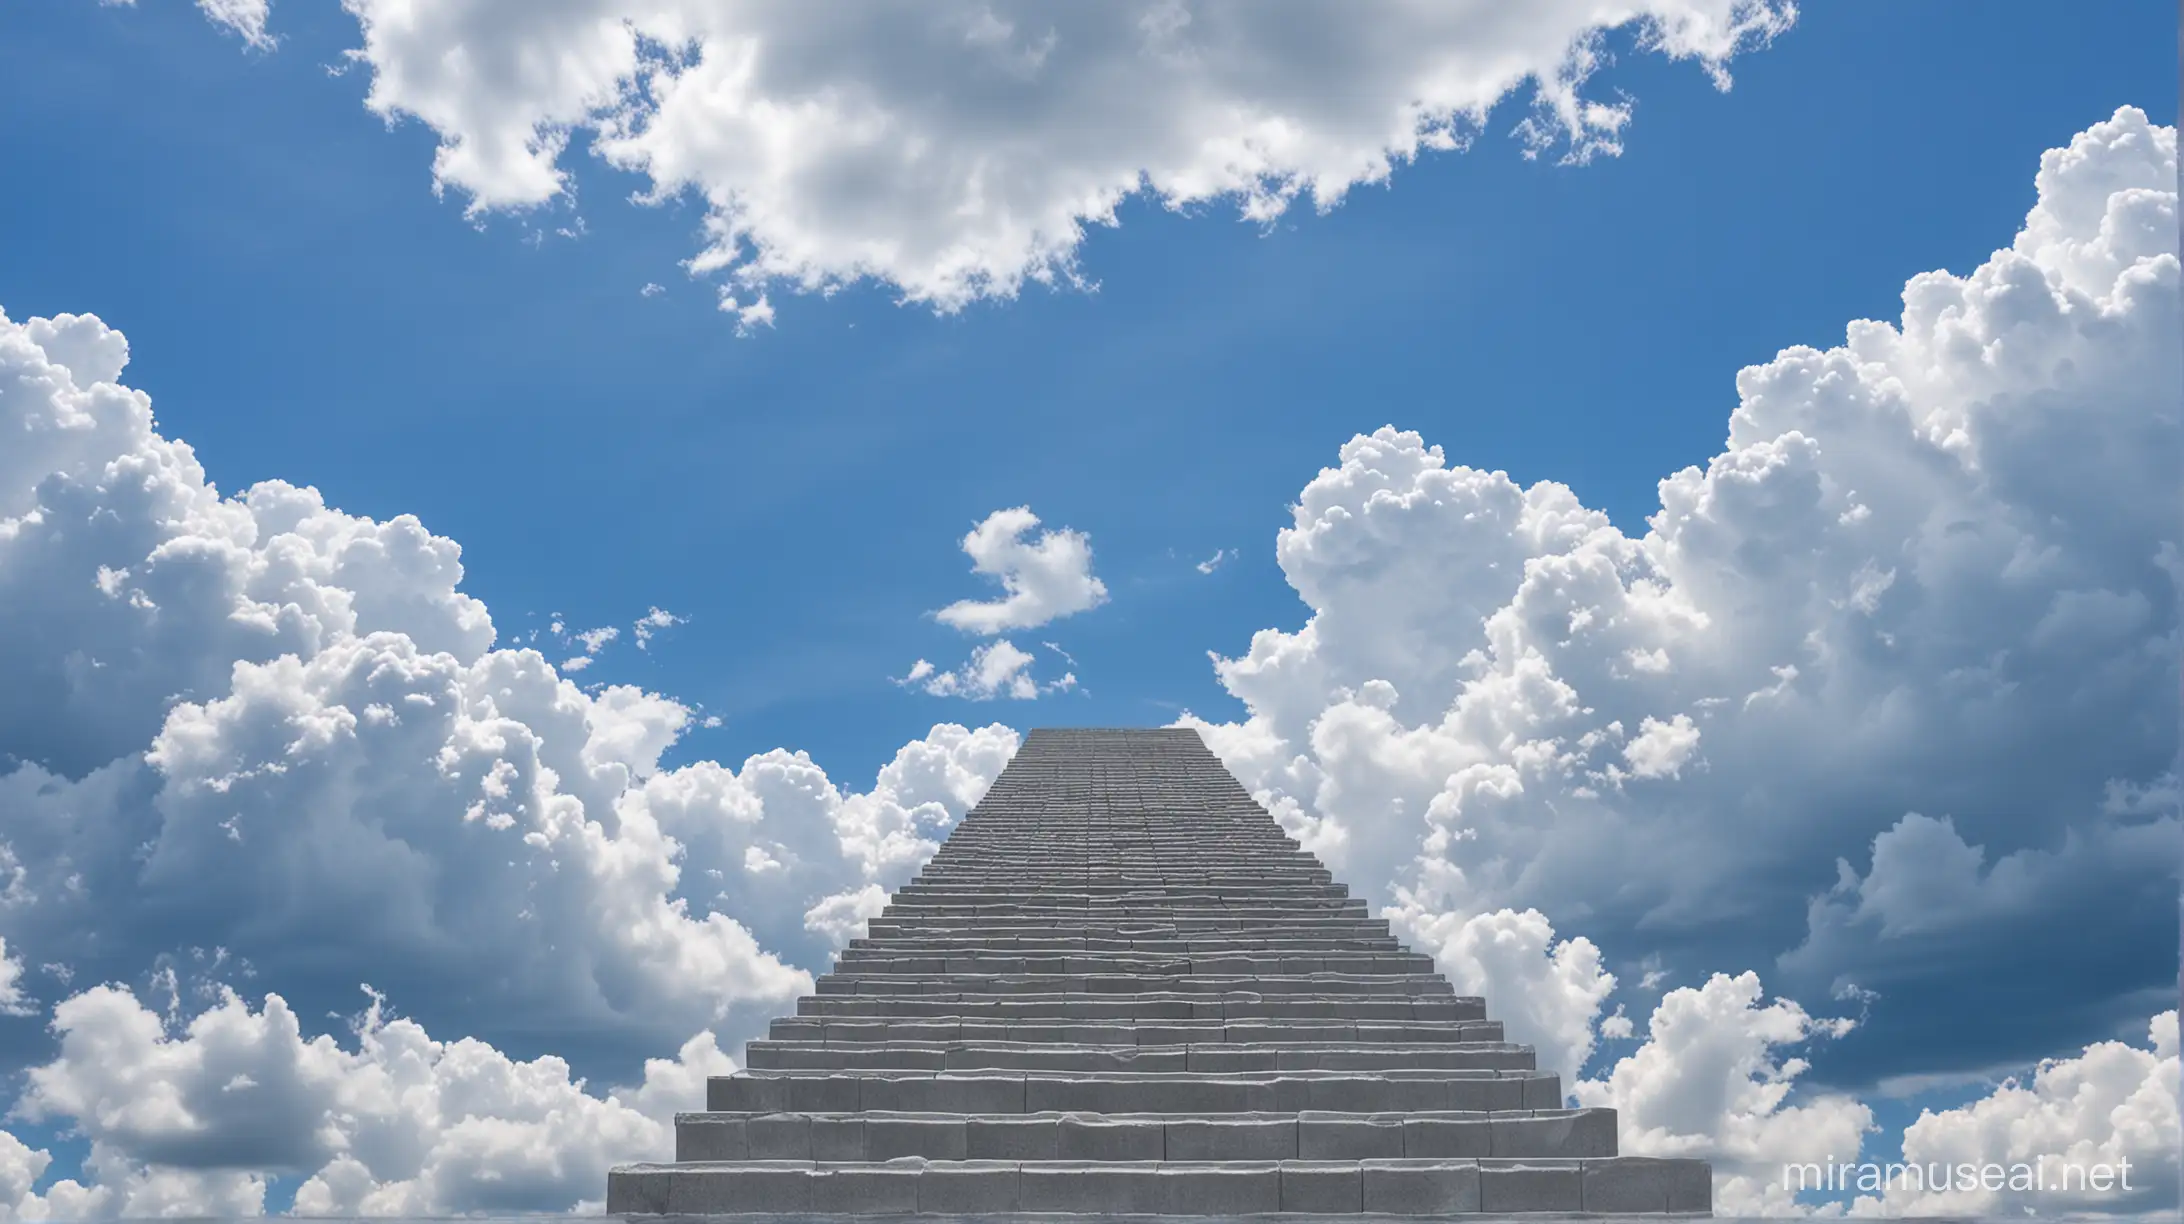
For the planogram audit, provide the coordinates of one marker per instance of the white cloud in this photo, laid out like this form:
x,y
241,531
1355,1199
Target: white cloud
x,y
1933,570
956,150
192,1120
1041,580
246,18
997,669
1546,993
13,1002
651,624
652,289
2113,1106
1214,562
1660,749
256,737
594,640
1709,1082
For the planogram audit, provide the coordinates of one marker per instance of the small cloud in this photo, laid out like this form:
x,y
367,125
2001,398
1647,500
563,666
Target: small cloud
x,y
653,289
1041,580
1066,656
594,639
1214,562
653,622
710,721
576,663
750,316
997,669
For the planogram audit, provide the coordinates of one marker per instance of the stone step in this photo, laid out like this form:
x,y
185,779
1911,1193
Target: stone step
x,y
1158,857
1126,1092
1273,945
1149,1006
1308,1135
1125,869
983,961
1313,907
1405,985
1091,893
770,1055
1609,1185
840,1031
917,927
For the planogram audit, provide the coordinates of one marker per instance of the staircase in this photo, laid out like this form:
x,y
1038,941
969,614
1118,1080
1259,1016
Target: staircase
x,y
1120,988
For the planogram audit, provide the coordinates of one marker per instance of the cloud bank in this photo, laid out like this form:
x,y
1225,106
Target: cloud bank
x,y
1885,697
254,740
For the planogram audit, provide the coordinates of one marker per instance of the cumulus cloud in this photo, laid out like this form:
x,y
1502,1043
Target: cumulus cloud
x,y
1933,570
997,669
253,737
2114,1106
193,1119
1041,580
954,151
1711,1081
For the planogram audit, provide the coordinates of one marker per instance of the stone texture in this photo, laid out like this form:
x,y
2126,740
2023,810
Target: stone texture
x,y
1120,988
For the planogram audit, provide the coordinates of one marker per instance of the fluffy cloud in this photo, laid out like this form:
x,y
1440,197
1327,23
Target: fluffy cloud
x,y
1934,571
956,150
2113,1106
1041,580
193,1120
254,737
1710,1081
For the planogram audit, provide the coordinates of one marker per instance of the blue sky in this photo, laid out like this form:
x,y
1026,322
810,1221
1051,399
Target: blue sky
x,y
302,305
304,309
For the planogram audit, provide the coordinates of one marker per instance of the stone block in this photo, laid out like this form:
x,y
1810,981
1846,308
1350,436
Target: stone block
x,y
778,1136
1543,1185
638,1190
967,1187
1322,1187
1559,1133
824,1093
1326,1137
705,1137
1081,1137
1089,1188
933,1138
733,1189
1635,1184
1542,1091
839,1139
1231,1139
1238,1188
745,1094
1447,1138
1420,1187
866,1190
1006,1138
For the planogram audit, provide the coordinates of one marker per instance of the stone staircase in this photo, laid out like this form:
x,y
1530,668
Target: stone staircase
x,y
1120,988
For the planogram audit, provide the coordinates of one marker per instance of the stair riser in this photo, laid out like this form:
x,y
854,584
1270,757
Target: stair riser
x,y
1112,984
1178,1059
1152,1033
1008,1095
881,960
1607,1186
905,1007
1564,1135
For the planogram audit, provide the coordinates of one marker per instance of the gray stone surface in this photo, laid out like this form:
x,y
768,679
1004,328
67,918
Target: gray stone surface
x,y
1120,988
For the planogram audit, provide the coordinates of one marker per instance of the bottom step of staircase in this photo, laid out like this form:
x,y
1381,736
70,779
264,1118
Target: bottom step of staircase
x,y
1612,1185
